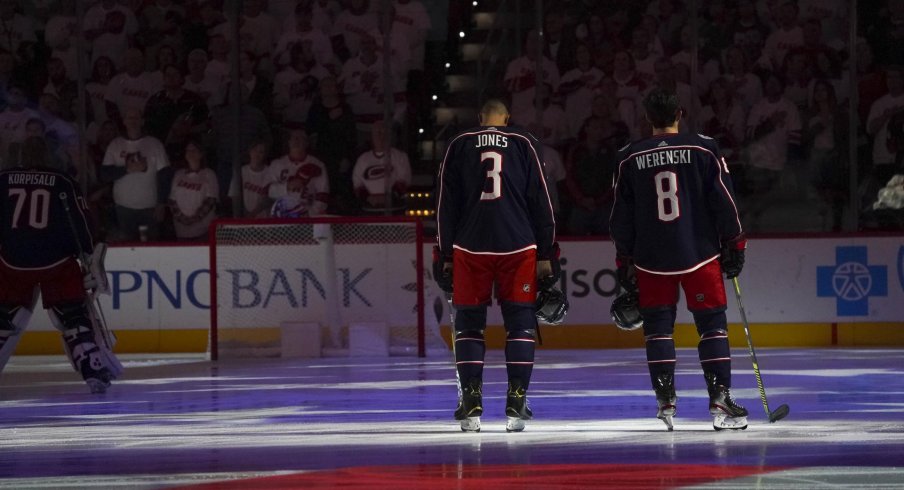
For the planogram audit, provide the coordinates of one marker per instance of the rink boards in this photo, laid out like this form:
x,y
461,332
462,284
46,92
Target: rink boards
x,y
796,292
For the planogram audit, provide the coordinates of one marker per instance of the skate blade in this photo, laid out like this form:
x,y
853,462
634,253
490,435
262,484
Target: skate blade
x,y
667,420
721,422
470,424
514,424
97,386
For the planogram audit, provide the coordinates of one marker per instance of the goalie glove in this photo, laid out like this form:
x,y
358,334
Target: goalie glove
x,y
732,257
442,270
95,274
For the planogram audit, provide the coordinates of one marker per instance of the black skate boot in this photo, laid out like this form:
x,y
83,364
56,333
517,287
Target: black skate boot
x,y
727,414
666,399
470,406
517,409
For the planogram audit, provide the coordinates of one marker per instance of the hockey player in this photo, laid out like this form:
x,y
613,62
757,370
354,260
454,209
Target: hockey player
x,y
42,212
495,227
675,223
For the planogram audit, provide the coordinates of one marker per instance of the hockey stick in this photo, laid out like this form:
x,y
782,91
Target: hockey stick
x,y
94,310
452,329
782,411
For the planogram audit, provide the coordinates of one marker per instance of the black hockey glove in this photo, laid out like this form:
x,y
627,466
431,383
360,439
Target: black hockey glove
x,y
732,258
545,281
626,273
442,270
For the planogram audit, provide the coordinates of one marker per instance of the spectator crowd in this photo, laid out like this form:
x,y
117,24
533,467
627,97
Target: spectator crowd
x,y
160,126
770,80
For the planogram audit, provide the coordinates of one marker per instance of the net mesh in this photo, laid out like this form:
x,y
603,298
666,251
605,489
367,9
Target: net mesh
x,y
340,276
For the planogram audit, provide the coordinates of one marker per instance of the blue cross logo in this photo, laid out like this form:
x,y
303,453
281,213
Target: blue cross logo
x,y
851,281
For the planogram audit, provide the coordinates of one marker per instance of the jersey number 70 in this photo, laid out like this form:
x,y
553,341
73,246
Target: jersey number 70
x,y
38,203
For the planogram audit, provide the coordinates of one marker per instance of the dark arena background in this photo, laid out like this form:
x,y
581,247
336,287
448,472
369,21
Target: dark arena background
x,y
266,348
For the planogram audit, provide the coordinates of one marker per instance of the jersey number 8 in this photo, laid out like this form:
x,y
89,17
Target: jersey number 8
x,y
667,196
38,206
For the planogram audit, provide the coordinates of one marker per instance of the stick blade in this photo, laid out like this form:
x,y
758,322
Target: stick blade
x,y
779,413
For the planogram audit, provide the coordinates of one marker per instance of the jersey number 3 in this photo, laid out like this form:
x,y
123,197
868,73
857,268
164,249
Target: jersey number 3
x,y
38,203
667,196
494,175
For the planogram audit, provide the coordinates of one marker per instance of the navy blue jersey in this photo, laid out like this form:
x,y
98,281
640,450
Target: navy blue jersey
x,y
674,203
492,195
35,232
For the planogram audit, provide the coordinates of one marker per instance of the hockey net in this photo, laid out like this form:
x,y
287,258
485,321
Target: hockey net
x,y
336,275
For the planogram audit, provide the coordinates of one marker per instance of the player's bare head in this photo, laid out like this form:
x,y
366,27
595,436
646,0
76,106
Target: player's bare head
x,y
494,113
35,153
662,108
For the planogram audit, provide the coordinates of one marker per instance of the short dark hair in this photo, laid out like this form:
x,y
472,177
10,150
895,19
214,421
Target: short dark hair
x,y
662,107
494,106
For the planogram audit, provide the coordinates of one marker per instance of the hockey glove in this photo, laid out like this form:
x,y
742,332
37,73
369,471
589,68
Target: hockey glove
x,y
89,282
732,258
442,270
626,273
549,268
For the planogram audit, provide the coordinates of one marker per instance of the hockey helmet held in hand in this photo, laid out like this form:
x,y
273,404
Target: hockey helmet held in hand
x,y
551,306
625,313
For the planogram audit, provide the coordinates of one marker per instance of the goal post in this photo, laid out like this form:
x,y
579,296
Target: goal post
x,y
337,275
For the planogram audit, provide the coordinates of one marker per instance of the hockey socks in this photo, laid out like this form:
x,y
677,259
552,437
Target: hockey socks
x,y
660,355
470,348
715,354
519,356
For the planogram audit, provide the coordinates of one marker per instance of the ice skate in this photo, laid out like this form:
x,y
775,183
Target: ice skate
x,y
517,409
470,406
666,400
98,380
727,414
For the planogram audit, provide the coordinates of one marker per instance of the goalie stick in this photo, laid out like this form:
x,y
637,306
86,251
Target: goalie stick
x,y
783,410
95,312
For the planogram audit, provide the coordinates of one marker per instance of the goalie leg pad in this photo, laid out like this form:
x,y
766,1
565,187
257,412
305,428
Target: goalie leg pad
x,y
96,268
658,327
713,348
13,320
86,355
